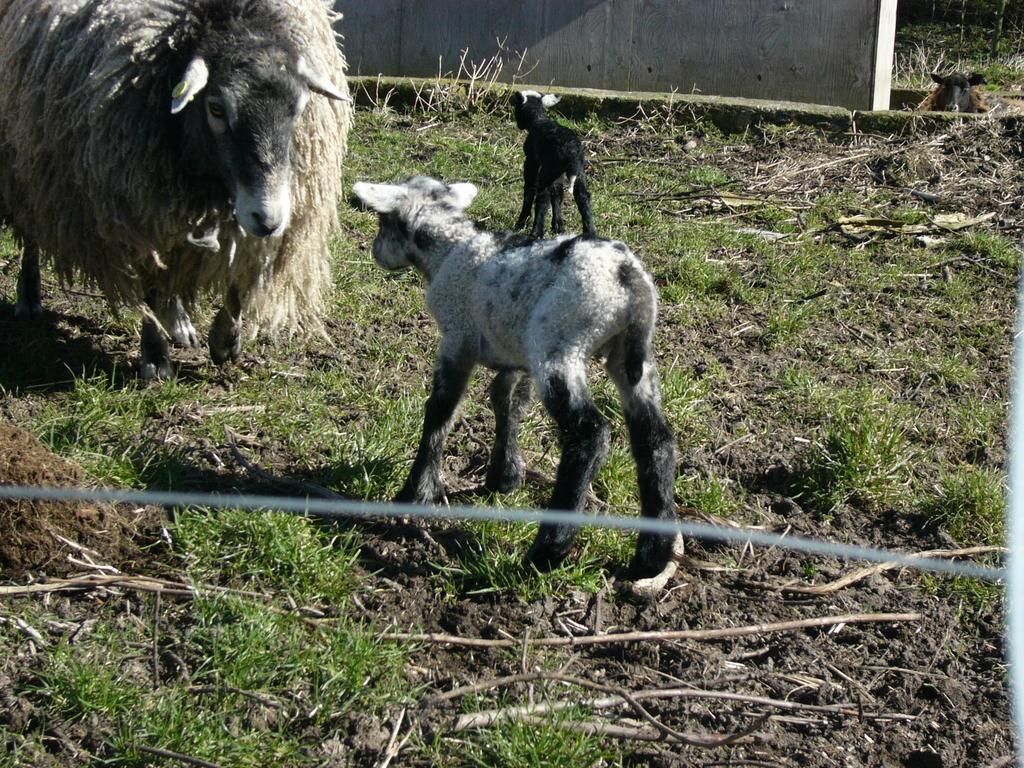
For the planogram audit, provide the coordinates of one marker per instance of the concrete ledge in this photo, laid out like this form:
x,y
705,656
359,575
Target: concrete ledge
x,y
729,115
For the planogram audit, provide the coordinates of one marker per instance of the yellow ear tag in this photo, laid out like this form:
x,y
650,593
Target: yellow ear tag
x,y
180,89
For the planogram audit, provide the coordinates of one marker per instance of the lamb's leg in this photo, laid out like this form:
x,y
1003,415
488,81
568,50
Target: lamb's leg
x,y
654,450
545,179
585,438
226,331
30,302
581,195
530,168
451,375
510,394
557,219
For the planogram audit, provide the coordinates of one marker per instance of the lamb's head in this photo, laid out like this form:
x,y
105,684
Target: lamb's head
x,y
241,97
410,214
954,92
530,106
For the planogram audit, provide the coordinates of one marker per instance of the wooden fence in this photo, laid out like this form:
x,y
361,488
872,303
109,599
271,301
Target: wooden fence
x,y
835,52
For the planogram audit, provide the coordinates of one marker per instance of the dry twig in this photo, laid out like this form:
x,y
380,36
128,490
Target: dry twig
x,y
862,573
636,637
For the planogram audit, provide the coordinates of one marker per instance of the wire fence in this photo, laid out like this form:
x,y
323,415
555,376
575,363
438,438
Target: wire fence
x,y
345,508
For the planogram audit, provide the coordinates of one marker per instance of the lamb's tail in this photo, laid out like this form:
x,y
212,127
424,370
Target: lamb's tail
x,y
643,310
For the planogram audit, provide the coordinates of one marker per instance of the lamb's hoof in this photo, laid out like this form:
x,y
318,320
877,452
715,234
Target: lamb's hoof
x,y
648,587
225,338
545,556
28,311
430,494
504,479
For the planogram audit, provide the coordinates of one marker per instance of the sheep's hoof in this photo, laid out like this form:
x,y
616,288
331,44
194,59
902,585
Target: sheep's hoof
x,y
156,371
183,333
649,587
225,338
24,310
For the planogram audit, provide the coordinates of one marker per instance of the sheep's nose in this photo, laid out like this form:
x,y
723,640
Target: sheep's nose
x,y
264,224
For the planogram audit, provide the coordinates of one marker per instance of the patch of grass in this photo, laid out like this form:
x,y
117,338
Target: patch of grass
x,y
518,744
685,401
786,322
268,550
710,495
99,424
863,457
971,503
246,646
493,561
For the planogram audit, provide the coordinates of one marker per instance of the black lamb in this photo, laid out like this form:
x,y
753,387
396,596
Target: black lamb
x,y
552,151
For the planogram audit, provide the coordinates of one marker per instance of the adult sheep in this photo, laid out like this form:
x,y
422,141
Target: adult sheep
x,y
162,149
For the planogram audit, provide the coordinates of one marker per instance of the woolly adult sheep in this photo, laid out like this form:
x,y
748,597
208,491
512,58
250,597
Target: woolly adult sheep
x,y
542,307
957,92
161,149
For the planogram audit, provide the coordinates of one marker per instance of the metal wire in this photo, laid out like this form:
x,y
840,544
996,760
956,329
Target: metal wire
x,y
344,508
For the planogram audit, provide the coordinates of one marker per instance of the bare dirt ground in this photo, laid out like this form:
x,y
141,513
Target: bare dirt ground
x,y
929,693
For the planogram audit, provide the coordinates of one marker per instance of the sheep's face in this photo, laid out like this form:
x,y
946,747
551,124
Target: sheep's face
x,y
954,92
249,105
407,213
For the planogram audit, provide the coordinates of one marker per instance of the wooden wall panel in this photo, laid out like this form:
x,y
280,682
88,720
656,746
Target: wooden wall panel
x,y
824,51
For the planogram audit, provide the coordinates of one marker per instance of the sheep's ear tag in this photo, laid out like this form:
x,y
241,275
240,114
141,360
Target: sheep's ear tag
x,y
192,82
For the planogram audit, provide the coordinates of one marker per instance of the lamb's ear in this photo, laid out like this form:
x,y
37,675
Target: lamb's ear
x,y
318,82
382,198
936,77
461,195
550,100
197,73
977,79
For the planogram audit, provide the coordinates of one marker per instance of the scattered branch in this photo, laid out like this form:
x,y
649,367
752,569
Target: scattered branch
x,y
862,573
636,637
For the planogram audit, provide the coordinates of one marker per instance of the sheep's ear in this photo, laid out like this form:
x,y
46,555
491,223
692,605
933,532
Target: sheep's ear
x,y
318,82
382,198
977,79
938,78
197,73
550,100
461,195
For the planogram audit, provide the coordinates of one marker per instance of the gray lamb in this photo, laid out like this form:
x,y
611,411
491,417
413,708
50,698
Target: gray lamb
x,y
543,308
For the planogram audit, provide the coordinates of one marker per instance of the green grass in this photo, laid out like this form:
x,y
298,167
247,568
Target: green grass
x,y
970,502
863,457
518,744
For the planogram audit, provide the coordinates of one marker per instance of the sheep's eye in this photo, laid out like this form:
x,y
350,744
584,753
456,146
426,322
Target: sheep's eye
x,y
216,110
